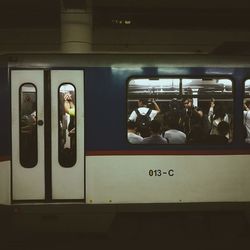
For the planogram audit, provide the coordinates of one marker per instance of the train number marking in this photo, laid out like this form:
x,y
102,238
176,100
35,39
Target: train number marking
x,y
159,172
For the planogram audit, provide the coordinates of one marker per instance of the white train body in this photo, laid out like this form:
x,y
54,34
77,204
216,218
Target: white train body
x,y
94,163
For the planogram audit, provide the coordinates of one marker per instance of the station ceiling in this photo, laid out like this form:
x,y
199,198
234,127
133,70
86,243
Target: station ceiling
x,y
174,14
191,15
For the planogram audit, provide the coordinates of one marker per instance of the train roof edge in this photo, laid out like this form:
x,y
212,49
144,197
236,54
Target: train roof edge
x,y
35,60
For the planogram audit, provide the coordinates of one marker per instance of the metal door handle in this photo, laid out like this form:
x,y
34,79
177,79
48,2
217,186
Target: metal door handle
x,y
40,122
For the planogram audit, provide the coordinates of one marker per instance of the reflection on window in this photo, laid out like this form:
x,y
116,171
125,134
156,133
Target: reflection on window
x,y
246,113
67,125
159,87
207,87
28,126
180,111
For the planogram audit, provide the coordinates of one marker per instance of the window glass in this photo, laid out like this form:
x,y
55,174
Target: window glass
x,y
207,87
159,87
246,113
67,125
28,125
247,88
179,111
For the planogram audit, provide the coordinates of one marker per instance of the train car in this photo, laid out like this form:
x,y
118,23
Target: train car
x,y
64,130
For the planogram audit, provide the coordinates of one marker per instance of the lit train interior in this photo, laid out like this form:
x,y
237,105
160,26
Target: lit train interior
x,y
211,97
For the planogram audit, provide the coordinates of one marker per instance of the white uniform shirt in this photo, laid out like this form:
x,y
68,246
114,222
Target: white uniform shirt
x,y
175,136
134,138
143,111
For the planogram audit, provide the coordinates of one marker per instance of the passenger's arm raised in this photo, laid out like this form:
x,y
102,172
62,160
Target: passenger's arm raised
x,y
157,108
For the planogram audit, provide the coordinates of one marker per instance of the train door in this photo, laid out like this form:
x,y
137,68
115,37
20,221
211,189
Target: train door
x,y
47,135
67,139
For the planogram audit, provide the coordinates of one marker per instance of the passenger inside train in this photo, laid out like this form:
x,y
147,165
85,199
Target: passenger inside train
x,y
246,120
189,111
173,132
143,115
67,125
155,134
28,126
133,135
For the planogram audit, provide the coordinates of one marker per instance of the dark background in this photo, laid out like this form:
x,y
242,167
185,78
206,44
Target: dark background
x,y
213,27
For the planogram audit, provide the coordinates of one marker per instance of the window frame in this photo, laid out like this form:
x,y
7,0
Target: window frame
x,y
180,96
58,127
36,127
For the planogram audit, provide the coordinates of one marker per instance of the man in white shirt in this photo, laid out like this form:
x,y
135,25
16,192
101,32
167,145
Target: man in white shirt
x,y
143,109
173,134
132,136
144,112
155,137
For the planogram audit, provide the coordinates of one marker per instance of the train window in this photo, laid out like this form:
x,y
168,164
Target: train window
x,y
247,88
67,125
179,111
207,87
28,125
246,112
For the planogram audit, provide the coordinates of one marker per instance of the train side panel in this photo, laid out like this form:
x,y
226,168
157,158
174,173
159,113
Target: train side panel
x,y
5,183
5,168
167,179
118,172
114,171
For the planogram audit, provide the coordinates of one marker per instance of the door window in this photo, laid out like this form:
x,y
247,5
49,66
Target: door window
x,y
67,125
28,125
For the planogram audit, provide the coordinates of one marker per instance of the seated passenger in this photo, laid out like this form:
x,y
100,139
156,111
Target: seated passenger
x,y
221,137
173,134
155,138
132,136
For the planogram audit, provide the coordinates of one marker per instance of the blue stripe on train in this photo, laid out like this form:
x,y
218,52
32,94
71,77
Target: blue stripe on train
x,y
106,104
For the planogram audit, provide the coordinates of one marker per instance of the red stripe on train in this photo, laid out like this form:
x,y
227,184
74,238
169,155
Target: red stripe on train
x,y
4,158
167,152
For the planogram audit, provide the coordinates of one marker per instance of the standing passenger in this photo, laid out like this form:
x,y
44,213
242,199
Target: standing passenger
x,y
246,114
190,116
69,108
216,114
143,115
220,138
